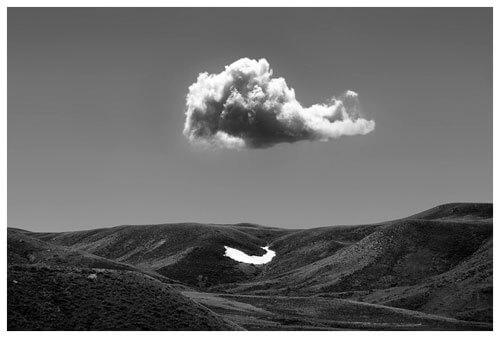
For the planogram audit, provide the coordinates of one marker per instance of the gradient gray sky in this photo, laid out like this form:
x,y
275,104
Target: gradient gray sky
x,y
96,102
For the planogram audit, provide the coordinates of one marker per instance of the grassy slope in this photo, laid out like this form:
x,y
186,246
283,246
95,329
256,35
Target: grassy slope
x,y
393,254
464,292
180,251
22,248
52,298
432,262
315,313
49,288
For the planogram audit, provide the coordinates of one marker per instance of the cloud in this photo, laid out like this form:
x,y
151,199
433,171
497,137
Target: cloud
x,y
245,107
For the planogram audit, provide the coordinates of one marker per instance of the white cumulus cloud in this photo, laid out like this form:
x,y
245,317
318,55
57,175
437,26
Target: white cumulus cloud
x,y
245,107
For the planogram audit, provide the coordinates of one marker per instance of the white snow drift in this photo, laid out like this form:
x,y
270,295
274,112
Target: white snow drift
x,y
242,257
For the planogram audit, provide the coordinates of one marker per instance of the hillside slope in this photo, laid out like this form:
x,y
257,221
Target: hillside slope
x,y
51,298
464,292
392,254
187,252
316,313
22,248
433,263
58,288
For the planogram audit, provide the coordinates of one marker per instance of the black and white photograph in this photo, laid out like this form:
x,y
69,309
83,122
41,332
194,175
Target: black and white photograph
x,y
249,168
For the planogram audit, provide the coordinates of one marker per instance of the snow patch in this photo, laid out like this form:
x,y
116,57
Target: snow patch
x,y
242,257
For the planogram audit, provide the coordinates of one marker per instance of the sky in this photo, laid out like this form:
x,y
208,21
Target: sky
x,y
97,101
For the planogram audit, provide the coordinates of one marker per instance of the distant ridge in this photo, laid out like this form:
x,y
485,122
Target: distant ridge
x,y
457,210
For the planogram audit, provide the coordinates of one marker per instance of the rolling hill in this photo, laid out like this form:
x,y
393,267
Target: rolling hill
x,y
51,287
432,270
